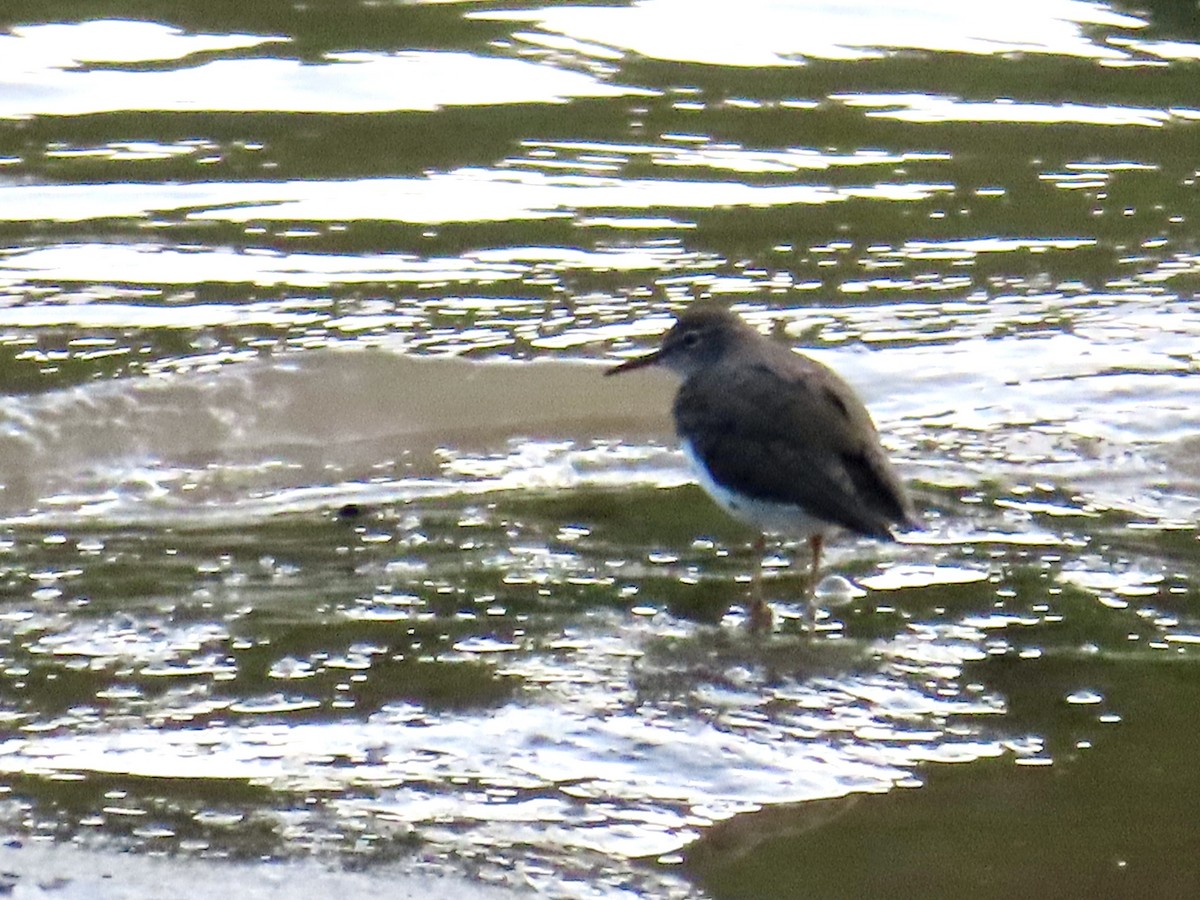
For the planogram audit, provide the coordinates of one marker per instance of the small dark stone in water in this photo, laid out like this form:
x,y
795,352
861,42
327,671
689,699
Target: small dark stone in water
x,y
350,511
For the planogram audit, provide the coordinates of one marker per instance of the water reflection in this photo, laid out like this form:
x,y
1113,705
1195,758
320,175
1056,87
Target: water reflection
x,y
465,195
631,735
55,84
926,108
34,50
704,154
764,32
593,739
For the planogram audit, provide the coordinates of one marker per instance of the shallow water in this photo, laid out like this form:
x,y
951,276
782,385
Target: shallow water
x,y
323,538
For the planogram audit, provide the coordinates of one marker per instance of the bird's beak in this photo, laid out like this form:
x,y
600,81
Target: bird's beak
x,y
638,362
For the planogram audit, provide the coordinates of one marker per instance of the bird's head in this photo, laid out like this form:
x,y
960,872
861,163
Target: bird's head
x,y
698,339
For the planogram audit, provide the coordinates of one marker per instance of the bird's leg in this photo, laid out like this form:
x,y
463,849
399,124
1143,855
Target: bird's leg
x,y
815,544
761,617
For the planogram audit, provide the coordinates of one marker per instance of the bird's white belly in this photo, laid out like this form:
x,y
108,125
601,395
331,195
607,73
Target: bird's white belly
x,y
780,518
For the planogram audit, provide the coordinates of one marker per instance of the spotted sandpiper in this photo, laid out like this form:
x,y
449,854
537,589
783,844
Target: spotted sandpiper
x,y
778,440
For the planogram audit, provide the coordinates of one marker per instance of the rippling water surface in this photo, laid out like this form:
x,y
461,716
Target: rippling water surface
x,y
322,538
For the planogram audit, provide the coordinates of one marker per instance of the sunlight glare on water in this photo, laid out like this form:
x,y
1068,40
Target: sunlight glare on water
x,y
466,195
39,84
594,775
924,108
764,33
32,50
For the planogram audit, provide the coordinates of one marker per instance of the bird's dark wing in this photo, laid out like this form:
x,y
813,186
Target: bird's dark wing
x,y
792,432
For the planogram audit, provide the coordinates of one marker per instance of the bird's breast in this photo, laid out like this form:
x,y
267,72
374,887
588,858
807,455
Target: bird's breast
x,y
765,515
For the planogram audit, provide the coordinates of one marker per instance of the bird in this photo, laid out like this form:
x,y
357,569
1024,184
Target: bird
x,y
777,439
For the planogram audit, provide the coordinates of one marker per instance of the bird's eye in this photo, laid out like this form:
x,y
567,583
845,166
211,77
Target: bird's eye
x,y
690,340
